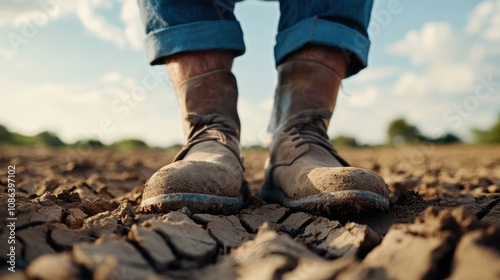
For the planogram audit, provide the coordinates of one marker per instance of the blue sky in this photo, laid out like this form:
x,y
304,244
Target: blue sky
x,y
78,68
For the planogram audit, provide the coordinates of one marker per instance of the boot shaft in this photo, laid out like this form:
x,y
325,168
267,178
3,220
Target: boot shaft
x,y
303,85
215,92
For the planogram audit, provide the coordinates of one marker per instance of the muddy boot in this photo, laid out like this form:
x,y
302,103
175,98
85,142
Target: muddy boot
x,y
207,174
304,171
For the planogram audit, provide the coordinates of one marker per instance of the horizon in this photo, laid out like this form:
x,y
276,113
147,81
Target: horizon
x,y
355,143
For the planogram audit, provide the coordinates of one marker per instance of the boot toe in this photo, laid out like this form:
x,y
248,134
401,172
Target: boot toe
x,y
199,185
332,179
337,192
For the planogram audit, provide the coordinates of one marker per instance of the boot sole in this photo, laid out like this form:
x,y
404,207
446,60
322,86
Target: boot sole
x,y
196,202
339,204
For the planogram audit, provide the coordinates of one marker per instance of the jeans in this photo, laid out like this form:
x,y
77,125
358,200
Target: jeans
x,y
174,26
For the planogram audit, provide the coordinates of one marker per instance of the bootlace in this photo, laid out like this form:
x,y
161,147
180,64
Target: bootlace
x,y
209,127
310,128
202,124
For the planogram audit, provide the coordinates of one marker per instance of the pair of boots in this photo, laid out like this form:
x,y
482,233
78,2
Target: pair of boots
x,y
303,170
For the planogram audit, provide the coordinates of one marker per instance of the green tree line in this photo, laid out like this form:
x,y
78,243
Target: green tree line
x,y
399,132
50,139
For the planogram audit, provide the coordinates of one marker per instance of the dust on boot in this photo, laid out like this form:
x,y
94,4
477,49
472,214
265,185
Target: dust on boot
x,y
304,171
207,174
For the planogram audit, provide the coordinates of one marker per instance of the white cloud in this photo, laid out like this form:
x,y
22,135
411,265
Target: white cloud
x,y
134,31
485,20
493,32
17,13
434,42
410,83
450,60
364,98
255,117
451,78
373,74
111,77
7,53
77,111
366,122
98,25
130,34
478,17
446,64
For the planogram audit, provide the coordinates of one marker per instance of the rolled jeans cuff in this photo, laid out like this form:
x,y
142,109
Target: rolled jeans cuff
x,y
318,31
196,36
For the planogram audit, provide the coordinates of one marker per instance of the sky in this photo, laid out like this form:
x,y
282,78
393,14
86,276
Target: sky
x,y
78,68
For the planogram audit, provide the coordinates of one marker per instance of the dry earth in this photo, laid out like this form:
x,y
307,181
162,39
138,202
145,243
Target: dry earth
x,y
77,218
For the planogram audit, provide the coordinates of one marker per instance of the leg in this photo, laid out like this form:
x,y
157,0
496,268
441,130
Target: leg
x,y
173,27
186,65
304,170
339,26
332,57
207,174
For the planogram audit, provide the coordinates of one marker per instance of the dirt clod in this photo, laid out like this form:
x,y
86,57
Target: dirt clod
x,y
35,242
270,213
54,266
75,218
153,245
93,255
66,238
478,255
188,240
101,224
227,230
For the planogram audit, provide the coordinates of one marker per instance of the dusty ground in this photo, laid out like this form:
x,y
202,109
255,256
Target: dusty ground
x,y
77,218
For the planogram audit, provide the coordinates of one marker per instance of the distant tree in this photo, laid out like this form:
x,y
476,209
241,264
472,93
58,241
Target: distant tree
x,y
13,138
49,139
448,138
5,135
22,140
344,141
92,143
491,135
174,147
400,132
130,144
255,148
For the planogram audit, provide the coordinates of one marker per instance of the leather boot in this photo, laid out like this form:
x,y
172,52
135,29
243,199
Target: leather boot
x,y
304,171
207,174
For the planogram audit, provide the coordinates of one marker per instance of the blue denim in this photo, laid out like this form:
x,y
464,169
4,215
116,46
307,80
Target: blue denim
x,y
174,26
